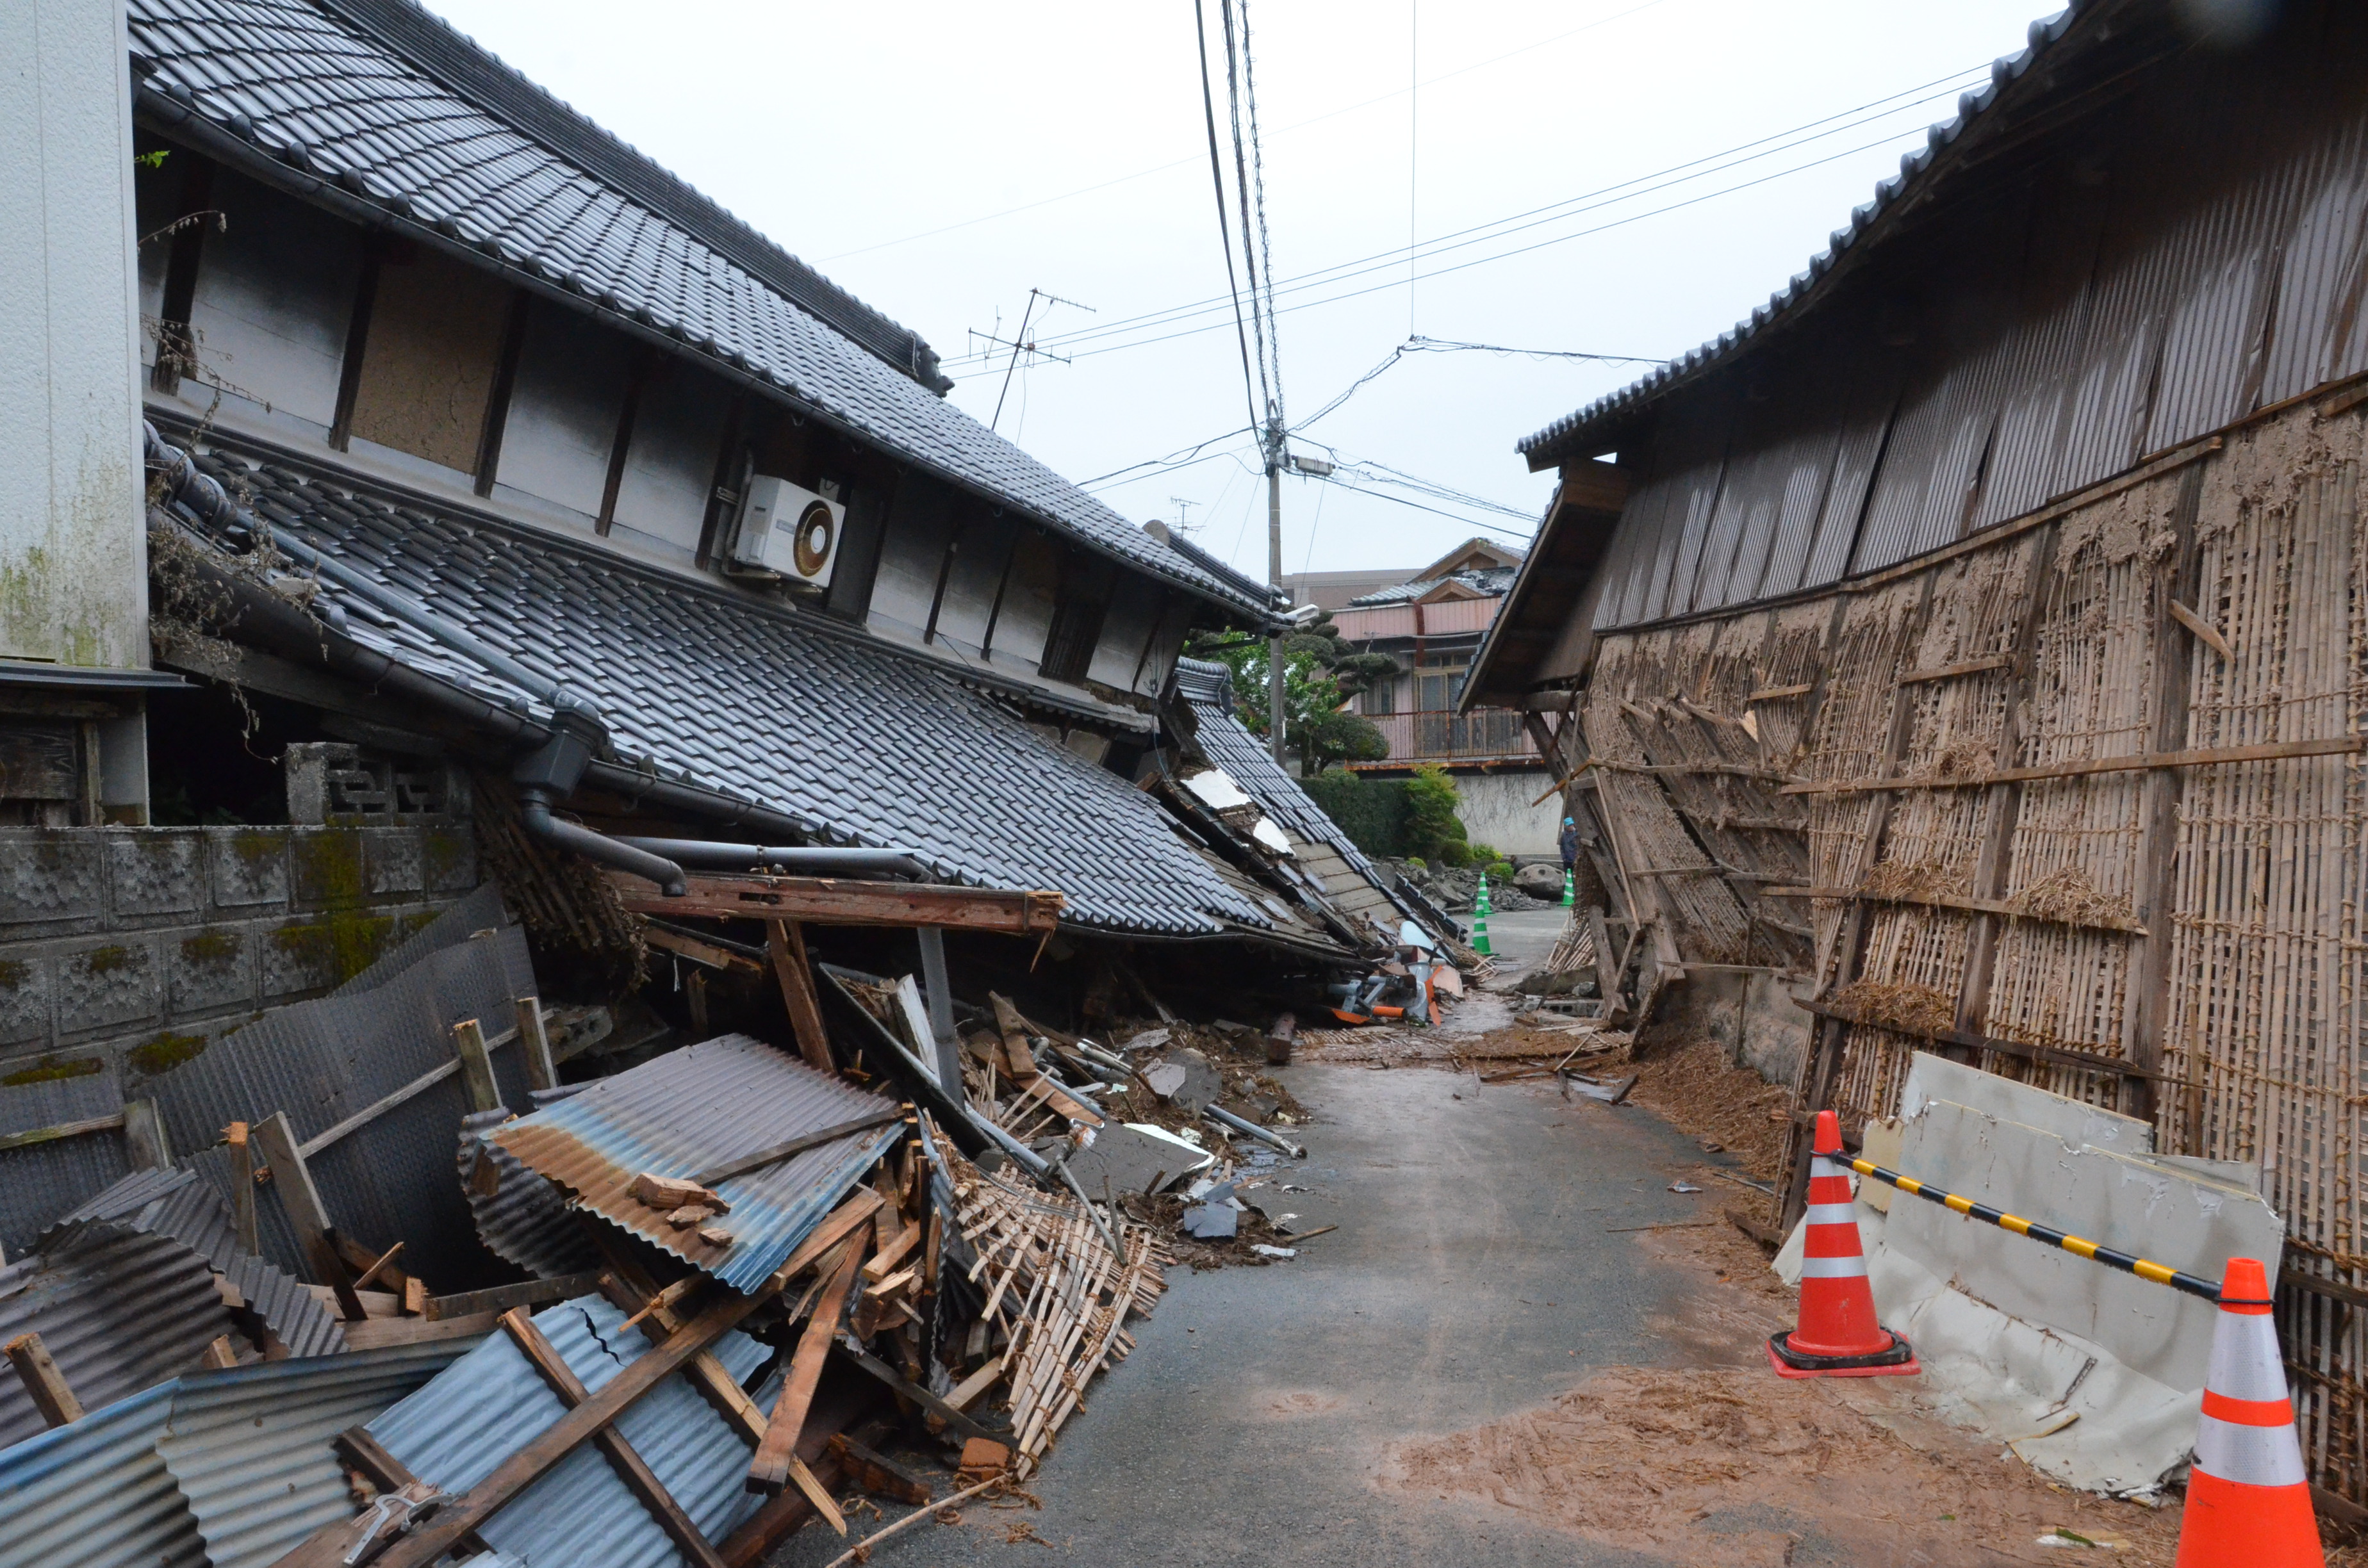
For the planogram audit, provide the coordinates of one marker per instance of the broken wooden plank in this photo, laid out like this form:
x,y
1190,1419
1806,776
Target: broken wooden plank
x,y
876,1472
242,1188
377,1332
743,1163
1964,668
528,1465
769,1469
630,1468
378,1266
218,1356
43,1383
534,1041
912,1390
2006,907
62,1130
502,1298
831,902
476,1066
301,1200
785,942
711,954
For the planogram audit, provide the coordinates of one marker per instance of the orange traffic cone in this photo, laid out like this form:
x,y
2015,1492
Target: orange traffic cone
x,y
1839,1336
2247,1506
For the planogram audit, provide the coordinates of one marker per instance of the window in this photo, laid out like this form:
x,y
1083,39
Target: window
x,y
1076,619
1382,698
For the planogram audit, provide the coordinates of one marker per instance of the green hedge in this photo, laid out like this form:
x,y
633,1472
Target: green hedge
x,y
1371,811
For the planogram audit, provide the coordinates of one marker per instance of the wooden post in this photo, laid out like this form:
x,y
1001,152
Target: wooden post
x,y
541,1071
145,1146
219,1356
302,1202
43,1382
241,1187
770,1469
2158,856
631,1467
787,944
476,1065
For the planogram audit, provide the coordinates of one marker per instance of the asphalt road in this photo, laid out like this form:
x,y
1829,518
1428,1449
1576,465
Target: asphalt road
x,y
1471,1277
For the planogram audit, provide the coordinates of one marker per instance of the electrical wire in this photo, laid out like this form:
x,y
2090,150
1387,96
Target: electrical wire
x,y
1216,173
1437,346
1604,196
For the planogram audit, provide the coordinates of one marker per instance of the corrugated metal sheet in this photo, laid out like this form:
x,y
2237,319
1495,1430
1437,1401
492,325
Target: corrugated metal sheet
x,y
249,1446
322,1061
118,1316
481,911
2128,283
170,1203
524,1219
97,1494
695,1108
287,1308
42,1181
492,1402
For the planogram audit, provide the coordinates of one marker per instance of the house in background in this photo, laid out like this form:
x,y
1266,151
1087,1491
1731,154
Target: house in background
x,y
1432,620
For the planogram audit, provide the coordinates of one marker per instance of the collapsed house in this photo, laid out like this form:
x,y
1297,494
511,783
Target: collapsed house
x,y
584,860
1964,653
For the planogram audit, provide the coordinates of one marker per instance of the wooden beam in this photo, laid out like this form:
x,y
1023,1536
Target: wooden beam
x,y
1968,667
502,1298
241,1187
769,1470
916,1393
378,1266
302,1202
697,952
2212,756
42,1380
829,901
785,942
476,1066
541,1071
799,1145
1955,901
531,1463
62,1130
2092,1062
630,1468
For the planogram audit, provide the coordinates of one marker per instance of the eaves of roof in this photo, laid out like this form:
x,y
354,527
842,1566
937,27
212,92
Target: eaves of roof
x,y
352,120
2011,84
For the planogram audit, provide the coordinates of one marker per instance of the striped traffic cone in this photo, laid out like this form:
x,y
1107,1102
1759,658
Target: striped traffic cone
x,y
2248,1505
1838,1337
1569,889
1480,912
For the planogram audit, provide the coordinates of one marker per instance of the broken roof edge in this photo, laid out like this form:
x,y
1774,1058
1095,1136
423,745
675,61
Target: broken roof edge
x,y
1870,225
165,113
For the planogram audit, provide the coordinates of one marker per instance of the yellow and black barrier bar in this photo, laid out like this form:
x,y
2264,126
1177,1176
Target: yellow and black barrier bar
x,y
2160,1273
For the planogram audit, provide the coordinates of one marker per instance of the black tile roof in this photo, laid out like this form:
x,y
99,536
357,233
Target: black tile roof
x,y
862,743
377,103
1493,581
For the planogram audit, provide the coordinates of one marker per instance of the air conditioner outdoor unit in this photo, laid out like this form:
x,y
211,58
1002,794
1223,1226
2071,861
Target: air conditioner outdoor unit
x,y
786,529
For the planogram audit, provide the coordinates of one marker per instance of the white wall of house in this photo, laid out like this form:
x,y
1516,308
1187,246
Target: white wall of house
x,y
1495,808
274,300
74,583
670,461
562,416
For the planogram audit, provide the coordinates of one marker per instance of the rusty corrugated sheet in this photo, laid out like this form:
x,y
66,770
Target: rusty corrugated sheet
x,y
524,1219
124,1313
693,1109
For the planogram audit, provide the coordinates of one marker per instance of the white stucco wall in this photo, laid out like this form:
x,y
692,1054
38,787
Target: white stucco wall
x,y
74,582
1495,808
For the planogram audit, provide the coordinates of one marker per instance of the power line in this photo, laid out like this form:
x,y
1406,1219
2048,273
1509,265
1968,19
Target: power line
x,y
1295,125
1629,189
1437,346
1217,174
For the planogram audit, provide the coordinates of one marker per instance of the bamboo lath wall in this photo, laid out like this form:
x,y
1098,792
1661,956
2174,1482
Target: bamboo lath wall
x,y
2182,941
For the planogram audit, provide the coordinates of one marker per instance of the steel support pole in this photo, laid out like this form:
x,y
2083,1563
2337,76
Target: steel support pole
x,y
1274,575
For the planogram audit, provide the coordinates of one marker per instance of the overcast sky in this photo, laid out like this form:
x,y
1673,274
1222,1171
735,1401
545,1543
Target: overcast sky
x,y
940,160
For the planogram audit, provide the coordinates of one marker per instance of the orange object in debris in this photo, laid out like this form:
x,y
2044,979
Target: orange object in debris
x,y
2248,1502
1382,1012
1838,1337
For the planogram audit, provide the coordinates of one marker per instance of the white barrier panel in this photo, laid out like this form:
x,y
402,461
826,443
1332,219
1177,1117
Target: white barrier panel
x,y
2095,1377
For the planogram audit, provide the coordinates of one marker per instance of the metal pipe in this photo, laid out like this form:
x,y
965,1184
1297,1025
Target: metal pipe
x,y
820,859
212,506
534,809
1250,1129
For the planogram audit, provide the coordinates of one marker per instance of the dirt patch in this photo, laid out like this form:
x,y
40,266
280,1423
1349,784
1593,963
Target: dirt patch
x,y
1722,1464
1290,1404
1697,1088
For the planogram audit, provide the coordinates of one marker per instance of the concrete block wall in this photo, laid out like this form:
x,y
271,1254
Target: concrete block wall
x,y
124,951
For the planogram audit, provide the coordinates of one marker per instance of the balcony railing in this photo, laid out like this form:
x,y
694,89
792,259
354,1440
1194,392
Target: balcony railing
x,y
1484,732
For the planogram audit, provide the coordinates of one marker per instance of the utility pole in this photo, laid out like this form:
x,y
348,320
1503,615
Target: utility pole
x,y
1274,575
